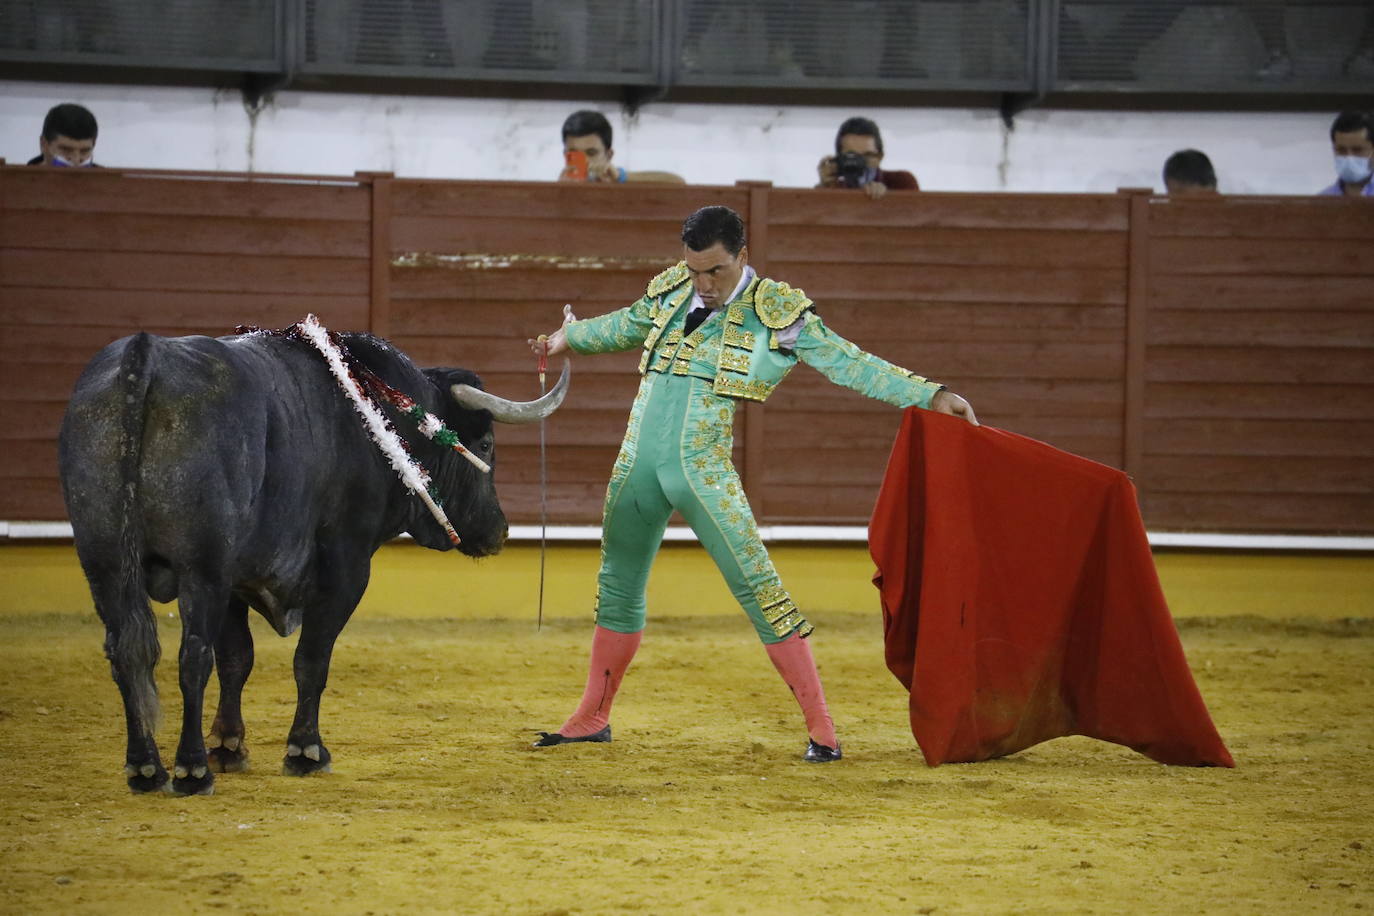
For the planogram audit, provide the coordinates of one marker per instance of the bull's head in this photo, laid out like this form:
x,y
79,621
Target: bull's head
x,y
468,495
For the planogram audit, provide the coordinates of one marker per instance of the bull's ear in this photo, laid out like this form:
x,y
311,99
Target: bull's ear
x,y
504,411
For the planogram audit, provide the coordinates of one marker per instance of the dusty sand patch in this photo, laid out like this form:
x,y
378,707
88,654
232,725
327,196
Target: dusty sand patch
x,y
701,804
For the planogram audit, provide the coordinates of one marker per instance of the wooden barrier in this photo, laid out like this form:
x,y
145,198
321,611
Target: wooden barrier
x,y
1221,351
1259,366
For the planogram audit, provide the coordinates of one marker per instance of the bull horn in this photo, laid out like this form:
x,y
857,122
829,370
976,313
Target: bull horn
x,y
503,411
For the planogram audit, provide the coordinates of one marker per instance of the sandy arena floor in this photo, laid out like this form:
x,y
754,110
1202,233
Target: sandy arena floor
x,y
701,805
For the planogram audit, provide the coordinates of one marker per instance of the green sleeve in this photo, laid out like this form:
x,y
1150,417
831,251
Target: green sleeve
x,y
624,329
845,364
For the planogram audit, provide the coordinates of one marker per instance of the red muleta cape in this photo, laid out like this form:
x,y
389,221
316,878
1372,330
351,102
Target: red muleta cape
x,y
1020,601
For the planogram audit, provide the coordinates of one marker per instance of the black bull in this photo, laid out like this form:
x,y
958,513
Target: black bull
x,y
233,473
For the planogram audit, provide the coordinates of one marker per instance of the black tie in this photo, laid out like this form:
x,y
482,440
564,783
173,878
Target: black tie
x,y
695,317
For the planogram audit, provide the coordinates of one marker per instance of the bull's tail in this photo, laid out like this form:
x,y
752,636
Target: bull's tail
x,y
131,642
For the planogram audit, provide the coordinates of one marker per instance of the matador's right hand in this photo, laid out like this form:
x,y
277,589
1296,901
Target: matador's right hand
x,y
555,343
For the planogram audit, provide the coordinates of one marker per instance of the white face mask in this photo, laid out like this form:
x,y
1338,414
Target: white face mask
x,y
1352,169
68,164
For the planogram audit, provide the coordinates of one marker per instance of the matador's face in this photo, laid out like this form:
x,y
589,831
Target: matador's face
x,y
715,272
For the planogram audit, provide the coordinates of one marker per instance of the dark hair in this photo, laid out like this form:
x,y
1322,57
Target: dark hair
x,y
1350,121
69,120
861,127
582,123
709,225
1192,167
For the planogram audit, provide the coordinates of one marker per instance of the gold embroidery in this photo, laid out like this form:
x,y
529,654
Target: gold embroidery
x,y
735,361
738,337
694,339
770,595
780,612
668,279
735,313
661,316
778,305
778,609
673,336
729,386
708,352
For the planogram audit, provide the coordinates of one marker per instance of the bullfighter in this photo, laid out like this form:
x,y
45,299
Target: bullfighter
x,y
713,333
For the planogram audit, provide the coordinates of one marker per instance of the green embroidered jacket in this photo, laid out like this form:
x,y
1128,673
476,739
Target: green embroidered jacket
x,y
741,355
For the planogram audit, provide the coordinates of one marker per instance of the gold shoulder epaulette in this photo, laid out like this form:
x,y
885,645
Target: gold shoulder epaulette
x,y
671,278
778,305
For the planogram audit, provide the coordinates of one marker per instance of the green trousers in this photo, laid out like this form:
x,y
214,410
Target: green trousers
x,y
676,455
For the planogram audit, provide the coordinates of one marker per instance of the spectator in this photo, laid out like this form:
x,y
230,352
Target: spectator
x,y
589,133
859,138
68,137
1189,171
1352,143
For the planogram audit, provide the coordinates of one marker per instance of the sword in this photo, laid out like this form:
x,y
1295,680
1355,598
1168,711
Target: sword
x,y
543,483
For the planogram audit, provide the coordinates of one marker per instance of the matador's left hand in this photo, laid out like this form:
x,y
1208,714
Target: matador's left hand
x,y
946,401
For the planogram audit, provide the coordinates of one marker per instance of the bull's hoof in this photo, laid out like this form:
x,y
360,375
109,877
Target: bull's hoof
x,y
149,777
306,761
227,755
193,780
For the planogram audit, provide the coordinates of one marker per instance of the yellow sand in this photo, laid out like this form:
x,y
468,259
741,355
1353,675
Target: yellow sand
x,y
701,804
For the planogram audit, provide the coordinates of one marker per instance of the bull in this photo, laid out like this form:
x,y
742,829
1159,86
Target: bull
x,y
233,472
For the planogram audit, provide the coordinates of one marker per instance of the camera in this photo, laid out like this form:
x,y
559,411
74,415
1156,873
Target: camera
x,y
851,170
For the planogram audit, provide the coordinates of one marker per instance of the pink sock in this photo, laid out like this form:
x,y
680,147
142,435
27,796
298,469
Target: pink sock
x,y
792,658
611,654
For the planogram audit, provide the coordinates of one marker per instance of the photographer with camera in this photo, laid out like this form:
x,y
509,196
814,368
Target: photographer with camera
x,y
857,160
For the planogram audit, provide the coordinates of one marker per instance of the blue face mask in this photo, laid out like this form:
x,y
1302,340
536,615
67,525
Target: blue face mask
x,y
1352,169
61,163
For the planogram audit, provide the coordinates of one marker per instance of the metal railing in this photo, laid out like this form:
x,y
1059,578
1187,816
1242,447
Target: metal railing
x,y
1029,47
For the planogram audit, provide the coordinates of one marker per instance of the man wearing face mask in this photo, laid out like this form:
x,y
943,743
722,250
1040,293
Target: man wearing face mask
x,y
68,138
1352,143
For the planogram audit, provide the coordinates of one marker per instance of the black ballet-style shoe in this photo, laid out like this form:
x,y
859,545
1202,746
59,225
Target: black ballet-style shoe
x,y
551,739
819,753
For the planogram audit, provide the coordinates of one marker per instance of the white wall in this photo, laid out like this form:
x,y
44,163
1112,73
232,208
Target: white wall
x,y
949,149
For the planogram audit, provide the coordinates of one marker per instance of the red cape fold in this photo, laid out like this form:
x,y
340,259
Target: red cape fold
x,y
1020,601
